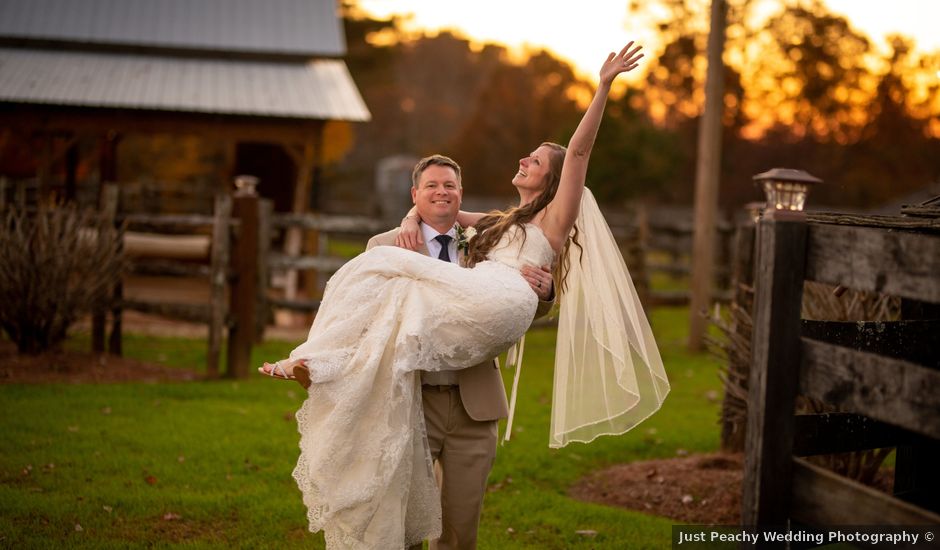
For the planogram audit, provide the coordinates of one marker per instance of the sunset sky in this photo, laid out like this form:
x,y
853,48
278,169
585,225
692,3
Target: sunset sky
x,y
582,32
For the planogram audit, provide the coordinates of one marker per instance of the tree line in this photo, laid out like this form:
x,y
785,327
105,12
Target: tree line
x,y
802,90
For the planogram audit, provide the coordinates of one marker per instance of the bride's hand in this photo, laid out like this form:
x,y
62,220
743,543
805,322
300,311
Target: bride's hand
x,y
625,61
410,235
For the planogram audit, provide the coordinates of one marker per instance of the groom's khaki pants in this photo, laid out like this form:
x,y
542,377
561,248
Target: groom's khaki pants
x,y
463,450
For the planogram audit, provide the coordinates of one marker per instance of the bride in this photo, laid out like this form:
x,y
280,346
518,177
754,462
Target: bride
x,y
364,467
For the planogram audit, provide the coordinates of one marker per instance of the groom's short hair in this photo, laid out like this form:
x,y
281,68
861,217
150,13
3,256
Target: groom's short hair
x,y
433,160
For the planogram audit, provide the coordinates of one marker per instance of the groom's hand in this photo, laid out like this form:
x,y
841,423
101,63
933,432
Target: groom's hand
x,y
540,279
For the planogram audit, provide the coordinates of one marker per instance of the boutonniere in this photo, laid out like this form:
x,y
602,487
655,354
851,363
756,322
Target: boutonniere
x,y
464,236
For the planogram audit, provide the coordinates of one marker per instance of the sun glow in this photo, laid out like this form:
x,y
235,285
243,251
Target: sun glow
x,y
582,34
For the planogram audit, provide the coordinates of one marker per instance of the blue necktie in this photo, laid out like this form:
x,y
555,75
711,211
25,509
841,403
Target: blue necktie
x,y
444,240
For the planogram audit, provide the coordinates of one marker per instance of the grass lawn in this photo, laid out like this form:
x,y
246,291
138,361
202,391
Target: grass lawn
x,y
208,464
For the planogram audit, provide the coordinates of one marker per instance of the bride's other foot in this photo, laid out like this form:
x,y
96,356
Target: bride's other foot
x,y
288,370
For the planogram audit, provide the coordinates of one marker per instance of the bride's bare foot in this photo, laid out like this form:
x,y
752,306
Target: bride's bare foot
x,y
288,369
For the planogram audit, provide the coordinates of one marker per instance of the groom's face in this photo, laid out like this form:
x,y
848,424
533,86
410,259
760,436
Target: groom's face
x,y
438,195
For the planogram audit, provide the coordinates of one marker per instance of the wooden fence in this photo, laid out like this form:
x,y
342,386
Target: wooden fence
x,y
884,377
190,245
231,246
667,243
232,250
320,227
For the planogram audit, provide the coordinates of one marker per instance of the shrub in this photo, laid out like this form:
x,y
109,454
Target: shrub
x,y
56,264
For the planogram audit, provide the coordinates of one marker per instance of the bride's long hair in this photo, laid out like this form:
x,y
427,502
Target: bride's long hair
x,y
491,227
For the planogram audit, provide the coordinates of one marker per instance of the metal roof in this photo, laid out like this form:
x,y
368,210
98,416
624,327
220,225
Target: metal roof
x,y
297,27
318,89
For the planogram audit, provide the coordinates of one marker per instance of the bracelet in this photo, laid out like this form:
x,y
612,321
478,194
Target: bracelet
x,y
410,217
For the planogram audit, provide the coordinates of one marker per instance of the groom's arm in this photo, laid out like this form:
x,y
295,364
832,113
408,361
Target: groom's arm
x,y
383,239
540,279
543,309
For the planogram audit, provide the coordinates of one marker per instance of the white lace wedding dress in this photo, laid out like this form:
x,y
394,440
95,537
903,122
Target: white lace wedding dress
x,y
364,467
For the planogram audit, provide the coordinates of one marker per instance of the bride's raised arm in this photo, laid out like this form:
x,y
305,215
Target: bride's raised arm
x,y
561,213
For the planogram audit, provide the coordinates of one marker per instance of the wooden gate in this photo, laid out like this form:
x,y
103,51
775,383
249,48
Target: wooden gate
x,y
885,377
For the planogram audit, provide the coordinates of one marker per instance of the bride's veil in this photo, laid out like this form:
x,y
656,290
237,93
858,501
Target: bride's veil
x,y
608,373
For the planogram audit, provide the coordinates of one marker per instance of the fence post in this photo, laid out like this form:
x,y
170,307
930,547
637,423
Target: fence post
x,y
639,247
110,196
108,208
218,278
263,309
244,293
773,380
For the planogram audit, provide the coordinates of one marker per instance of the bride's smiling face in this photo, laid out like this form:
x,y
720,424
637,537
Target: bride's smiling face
x,y
533,170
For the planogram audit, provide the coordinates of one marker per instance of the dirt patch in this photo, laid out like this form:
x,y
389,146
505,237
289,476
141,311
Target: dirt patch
x,y
701,489
81,368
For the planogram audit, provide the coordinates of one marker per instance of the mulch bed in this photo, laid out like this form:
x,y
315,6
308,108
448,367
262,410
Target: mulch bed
x,y
700,489
81,368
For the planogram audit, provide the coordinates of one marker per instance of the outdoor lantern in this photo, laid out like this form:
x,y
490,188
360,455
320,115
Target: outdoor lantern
x,y
245,185
785,188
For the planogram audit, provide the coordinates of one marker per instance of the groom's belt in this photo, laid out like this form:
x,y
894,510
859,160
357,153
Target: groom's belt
x,y
439,378
439,387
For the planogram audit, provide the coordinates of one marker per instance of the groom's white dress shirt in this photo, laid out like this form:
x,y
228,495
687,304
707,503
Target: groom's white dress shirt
x,y
440,378
434,246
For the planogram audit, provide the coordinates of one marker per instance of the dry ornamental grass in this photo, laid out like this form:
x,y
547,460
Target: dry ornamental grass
x,y
58,263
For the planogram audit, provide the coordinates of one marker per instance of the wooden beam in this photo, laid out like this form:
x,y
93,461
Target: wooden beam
x,y
263,308
293,241
319,263
164,221
821,497
330,223
31,118
830,433
196,313
219,264
244,291
772,385
899,263
162,267
887,389
108,205
874,220
914,340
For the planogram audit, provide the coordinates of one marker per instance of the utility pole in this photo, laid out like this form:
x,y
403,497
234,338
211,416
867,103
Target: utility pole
x,y
707,172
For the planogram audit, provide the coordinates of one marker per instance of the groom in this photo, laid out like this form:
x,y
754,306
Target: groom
x,y
461,408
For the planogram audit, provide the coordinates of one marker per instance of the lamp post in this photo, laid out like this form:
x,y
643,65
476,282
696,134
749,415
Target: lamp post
x,y
776,350
786,190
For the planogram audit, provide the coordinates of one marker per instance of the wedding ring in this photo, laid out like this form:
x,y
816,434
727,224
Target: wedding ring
x,y
540,284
